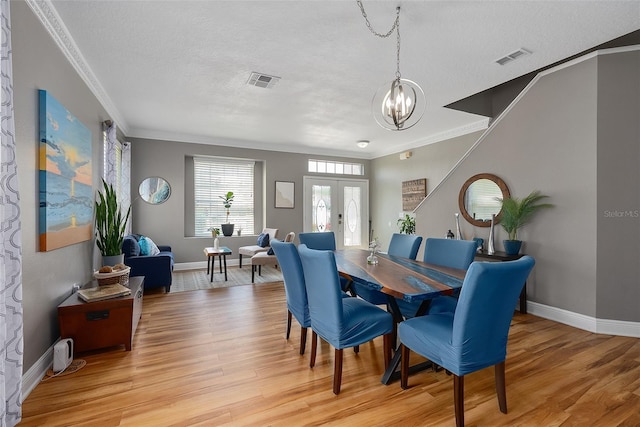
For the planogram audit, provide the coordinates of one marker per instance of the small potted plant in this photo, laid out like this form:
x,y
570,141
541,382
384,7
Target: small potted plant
x,y
516,213
227,200
215,231
110,223
407,224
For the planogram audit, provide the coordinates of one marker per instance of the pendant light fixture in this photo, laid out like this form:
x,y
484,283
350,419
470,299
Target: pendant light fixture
x,y
400,104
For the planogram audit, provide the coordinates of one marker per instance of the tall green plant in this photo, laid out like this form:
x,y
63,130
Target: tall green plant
x,y
110,222
517,212
227,199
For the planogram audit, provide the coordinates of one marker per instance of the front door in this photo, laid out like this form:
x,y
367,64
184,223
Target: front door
x,y
338,205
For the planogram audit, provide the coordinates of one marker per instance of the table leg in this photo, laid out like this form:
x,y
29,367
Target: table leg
x,y
225,267
220,258
213,264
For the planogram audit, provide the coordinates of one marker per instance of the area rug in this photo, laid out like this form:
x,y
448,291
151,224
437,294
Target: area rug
x,y
189,280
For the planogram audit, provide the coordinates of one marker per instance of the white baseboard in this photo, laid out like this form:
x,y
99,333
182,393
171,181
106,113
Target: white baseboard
x,y
587,323
37,371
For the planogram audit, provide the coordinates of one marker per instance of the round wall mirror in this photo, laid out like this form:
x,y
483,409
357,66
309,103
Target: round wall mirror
x,y
154,190
478,198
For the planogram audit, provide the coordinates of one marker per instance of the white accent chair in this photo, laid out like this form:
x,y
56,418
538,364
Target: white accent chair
x,y
263,258
250,251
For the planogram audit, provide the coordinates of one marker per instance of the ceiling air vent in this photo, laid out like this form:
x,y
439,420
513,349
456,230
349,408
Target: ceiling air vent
x,y
262,80
513,56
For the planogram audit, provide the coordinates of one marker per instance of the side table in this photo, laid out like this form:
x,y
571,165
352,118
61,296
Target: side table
x,y
502,256
221,253
99,324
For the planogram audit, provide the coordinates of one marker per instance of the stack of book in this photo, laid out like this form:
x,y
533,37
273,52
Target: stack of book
x,y
100,293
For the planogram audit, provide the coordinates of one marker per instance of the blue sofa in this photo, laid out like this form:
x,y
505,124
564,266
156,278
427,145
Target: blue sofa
x,y
156,269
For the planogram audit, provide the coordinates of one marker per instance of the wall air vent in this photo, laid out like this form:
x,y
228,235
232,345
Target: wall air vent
x,y
262,80
513,56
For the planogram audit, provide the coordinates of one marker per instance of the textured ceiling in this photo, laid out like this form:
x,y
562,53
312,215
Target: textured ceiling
x,y
177,70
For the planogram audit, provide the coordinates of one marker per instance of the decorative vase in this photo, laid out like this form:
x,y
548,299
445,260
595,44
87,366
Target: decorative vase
x,y
458,231
490,248
227,229
216,243
512,247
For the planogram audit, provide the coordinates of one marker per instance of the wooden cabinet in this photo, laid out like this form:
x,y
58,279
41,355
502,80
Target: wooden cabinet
x,y
107,323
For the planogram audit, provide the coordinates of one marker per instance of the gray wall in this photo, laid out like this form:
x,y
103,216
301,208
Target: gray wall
x,y
47,276
574,136
432,162
618,215
164,223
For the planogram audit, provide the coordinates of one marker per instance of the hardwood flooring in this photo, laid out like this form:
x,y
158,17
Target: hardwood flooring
x,y
218,357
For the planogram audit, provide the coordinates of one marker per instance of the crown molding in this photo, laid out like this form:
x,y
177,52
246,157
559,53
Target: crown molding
x,y
48,16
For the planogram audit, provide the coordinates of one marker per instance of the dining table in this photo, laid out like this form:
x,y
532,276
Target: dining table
x,y
396,277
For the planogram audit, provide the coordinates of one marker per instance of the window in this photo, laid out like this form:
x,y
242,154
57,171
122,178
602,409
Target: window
x,y
335,168
214,177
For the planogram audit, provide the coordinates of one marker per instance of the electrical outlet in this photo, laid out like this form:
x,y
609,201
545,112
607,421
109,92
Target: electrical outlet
x,y
75,288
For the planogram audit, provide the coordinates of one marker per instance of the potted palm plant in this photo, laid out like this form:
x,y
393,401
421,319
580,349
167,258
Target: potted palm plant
x,y
110,225
227,199
516,213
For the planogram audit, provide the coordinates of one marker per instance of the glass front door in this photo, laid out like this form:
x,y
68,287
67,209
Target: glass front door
x,y
341,206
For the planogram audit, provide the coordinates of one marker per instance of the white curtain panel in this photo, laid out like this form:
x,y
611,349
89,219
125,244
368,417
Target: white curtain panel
x,y
117,167
125,180
111,156
11,334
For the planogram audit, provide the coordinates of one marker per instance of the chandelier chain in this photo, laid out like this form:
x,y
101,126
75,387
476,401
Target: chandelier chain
x,y
395,26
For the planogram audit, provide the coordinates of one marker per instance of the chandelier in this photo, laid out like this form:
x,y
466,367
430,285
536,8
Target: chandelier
x,y
398,105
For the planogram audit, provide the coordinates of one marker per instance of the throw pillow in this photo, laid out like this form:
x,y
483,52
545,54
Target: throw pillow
x,y
153,248
144,246
263,240
270,252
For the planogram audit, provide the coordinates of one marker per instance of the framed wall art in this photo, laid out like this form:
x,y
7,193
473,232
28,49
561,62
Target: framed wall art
x,y
412,193
65,181
285,193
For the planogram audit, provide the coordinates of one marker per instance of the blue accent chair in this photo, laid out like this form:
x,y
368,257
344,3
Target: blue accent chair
x,y
156,269
342,322
445,253
324,241
296,293
475,336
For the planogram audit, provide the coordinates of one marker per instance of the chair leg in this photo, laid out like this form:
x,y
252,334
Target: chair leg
x,y
253,273
501,388
458,399
259,270
288,323
386,348
404,366
337,371
240,255
303,339
356,349
314,345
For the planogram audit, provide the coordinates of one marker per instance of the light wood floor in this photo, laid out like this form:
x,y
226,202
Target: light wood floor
x,y
219,357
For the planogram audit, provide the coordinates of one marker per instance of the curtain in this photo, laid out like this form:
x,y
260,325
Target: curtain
x,y
11,335
117,167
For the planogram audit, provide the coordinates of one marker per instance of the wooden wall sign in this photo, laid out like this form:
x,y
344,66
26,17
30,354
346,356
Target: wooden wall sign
x,y
412,193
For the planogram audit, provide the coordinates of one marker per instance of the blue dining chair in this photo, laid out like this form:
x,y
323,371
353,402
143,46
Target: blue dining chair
x,y
475,335
342,322
324,241
404,245
295,291
445,253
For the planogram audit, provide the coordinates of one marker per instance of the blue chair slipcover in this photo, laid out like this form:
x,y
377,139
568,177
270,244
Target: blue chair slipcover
x,y
402,245
323,241
342,322
445,253
475,335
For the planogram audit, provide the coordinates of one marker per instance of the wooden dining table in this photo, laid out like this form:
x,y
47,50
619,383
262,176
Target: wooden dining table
x,y
397,277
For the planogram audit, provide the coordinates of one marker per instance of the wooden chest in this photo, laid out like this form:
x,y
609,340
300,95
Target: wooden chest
x,y
107,323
